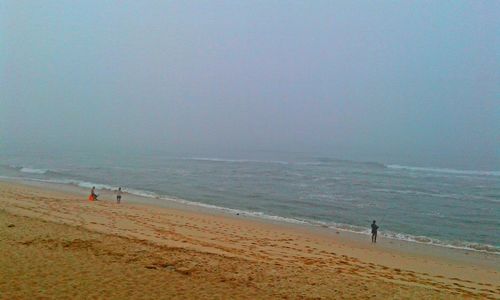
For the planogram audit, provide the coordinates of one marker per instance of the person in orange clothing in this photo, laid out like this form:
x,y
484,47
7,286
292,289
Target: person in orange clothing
x,y
93,195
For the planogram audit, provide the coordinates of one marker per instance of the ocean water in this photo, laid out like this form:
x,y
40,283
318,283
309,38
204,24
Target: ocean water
x,y
447,207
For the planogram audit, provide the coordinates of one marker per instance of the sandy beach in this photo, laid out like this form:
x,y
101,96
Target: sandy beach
x,y
57,244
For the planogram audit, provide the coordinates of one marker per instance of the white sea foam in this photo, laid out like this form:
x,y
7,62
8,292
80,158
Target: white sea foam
x,y
79,183
99,186
412,238
445,170
235,160
448,244
236,211
33,170
141,193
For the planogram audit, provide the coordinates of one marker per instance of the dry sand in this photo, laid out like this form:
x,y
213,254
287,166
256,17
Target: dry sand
x,y
56,244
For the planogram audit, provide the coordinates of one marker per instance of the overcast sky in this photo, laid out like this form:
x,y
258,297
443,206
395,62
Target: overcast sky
x,y
394,81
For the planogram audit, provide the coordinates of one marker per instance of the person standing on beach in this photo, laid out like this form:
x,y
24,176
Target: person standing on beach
x,y
374,232
119,195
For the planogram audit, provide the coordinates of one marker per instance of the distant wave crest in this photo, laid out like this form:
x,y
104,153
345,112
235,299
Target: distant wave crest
x,y
210,159
445,170
33,170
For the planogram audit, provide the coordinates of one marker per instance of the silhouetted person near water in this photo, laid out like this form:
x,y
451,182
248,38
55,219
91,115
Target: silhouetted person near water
x,y
119,195
374,232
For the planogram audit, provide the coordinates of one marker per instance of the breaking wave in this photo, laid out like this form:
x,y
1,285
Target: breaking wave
x,y
209,159
33,170
445,170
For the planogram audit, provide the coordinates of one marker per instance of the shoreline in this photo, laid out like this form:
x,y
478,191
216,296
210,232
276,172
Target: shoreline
x,y
171,202
314,251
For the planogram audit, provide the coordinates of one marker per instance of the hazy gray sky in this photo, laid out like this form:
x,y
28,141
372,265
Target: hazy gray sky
x,y
397,81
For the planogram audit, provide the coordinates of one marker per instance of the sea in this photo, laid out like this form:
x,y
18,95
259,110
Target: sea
x,y
445,207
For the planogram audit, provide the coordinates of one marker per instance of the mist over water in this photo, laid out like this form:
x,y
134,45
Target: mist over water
x,y
408,83
455,208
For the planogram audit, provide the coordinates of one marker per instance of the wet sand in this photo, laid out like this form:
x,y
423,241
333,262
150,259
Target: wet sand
x,y
57,244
